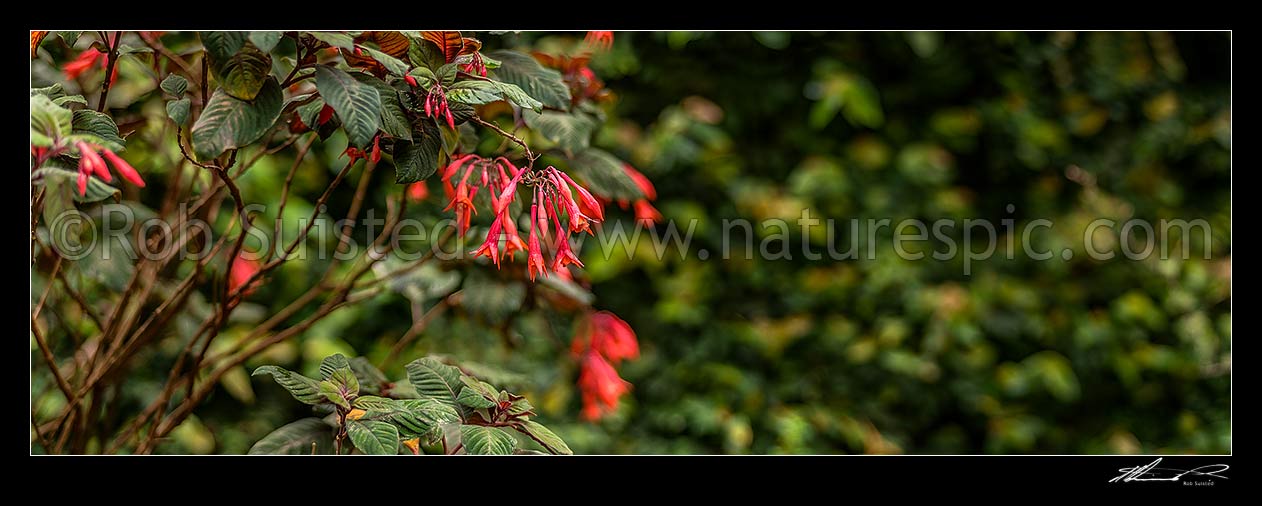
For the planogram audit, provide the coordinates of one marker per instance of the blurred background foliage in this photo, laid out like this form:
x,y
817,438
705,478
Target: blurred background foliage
x,y
853,356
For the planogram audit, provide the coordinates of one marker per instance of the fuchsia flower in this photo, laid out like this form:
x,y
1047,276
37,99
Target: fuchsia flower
x,y
91,164
436,105
534,256
601,386
552,199
600,341
475,65
602,40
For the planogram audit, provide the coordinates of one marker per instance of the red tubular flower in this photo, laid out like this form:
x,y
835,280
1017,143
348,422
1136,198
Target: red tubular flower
x,y
564,255
82,182
124,169
91,162
612,337
86,60
602,40
418,191
534,256
587,204
512,241
646,186
242,270
490,247
578,220
601,386
646,214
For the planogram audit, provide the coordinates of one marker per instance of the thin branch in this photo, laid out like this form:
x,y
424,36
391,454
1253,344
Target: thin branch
x,y
529,154
110,59
52,362
416,329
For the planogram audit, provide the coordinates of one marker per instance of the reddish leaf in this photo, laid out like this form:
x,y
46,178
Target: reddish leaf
x,y
449,42
364,62
392,43
37,36
470,46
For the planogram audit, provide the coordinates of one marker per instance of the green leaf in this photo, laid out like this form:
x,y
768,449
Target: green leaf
x,y
425,77
52,91
471,398
58,202
603,174
305,389
480,440
422,53
87,121
335,39
493,299
70,36
56,174
418,160
220,46
244,74
516,95
545,437
435,380
265,41
228,122
542,83
521,407
446,74
374,438
296,438
70,99
49,119
346,381
178,110
571,132
175,84
124,49
332,363
357,105
371,379
413,417
393,65
373,403
334,393
474,92
394,122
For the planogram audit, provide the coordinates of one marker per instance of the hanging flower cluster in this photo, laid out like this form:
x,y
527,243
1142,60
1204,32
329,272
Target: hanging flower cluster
x,y
601,341
475,65
553,201
91,164
436,104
